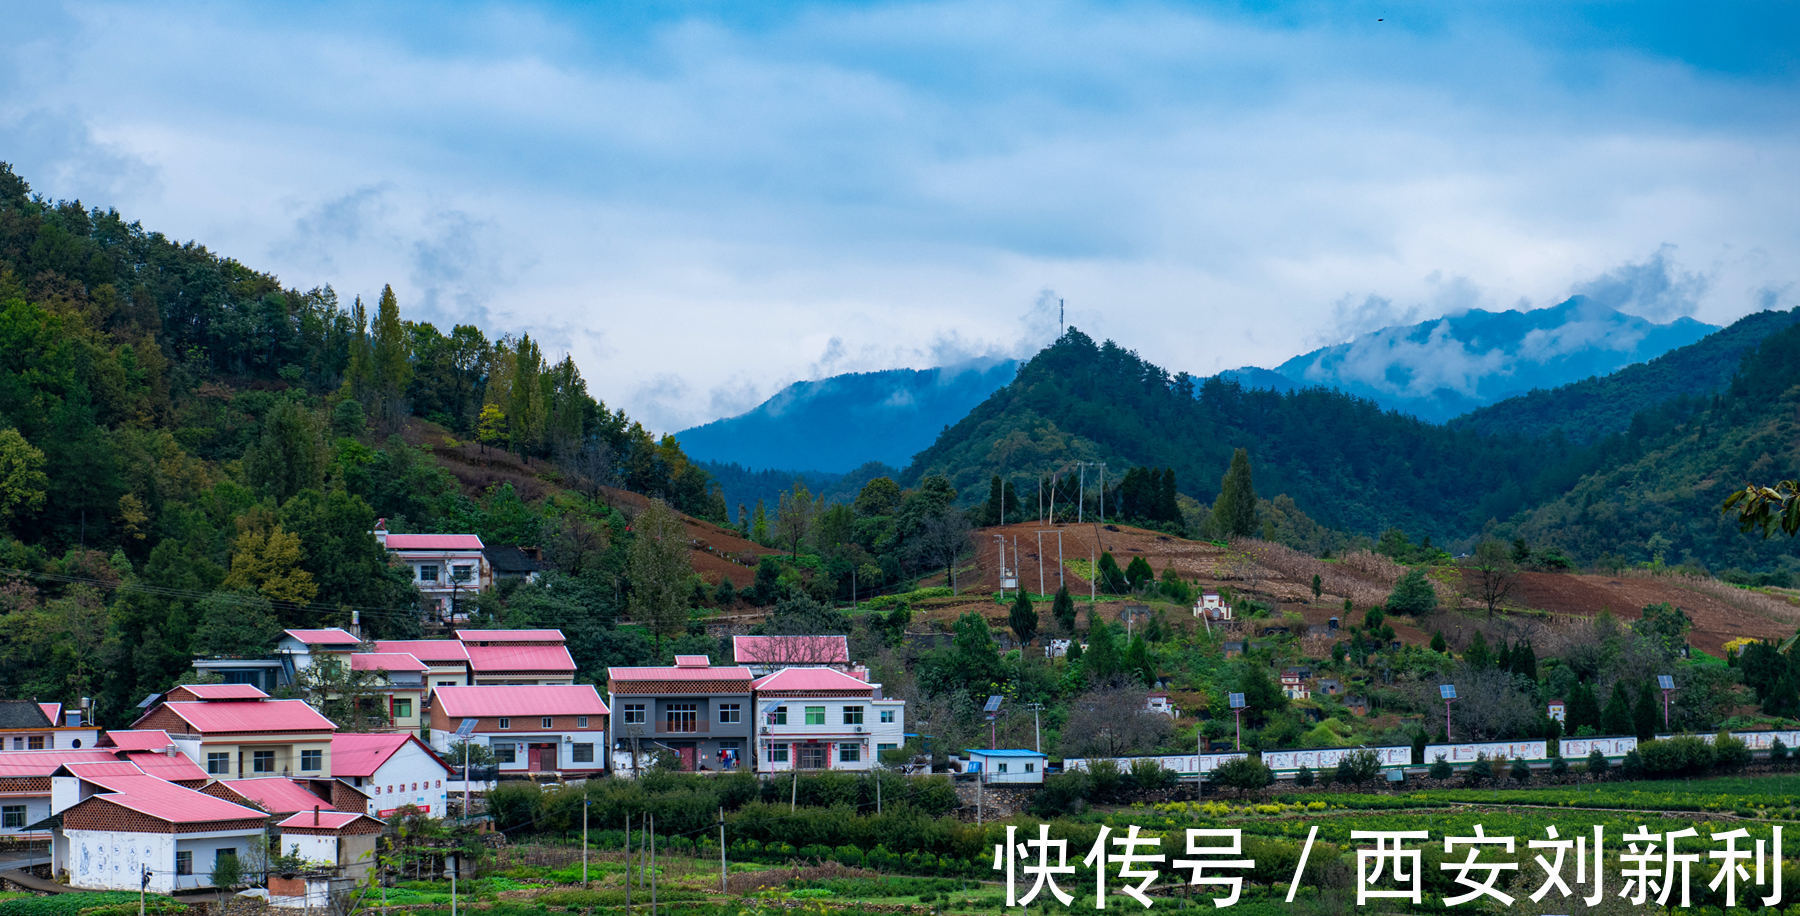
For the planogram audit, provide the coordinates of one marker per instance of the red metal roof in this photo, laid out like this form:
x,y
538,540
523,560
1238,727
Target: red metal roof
x,y
224,691
141,739
674,673
693,661
520,658
791,650
428,651
276,794
361,754
259,716
807,680
324,820
385,661
173,767
15,764
169,802
333,636
519,700
433,542
481,636
52,711
104,773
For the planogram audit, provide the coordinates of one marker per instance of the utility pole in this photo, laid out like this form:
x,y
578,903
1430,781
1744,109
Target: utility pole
x,y
1002,539
722,887
1037,735
585,803
1053,499
652,866
878,789
1040,559
1102,492
1080,489
628,863
1059,559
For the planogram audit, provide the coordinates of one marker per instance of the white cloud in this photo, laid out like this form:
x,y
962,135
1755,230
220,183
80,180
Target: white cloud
x,y
698,207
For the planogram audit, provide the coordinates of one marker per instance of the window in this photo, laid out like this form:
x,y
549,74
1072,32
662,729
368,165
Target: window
x,y
505,723
503,753
778,715
1001,769
34,743
18,744
581,722
731,713
584,753
402,708
462,572
883,748
224,853
312,761
887,717
853,715
428,572
849,753
184,862
682,717
634,714
815,715
1031,768
778,753
218,764
262,761
547,723
12,816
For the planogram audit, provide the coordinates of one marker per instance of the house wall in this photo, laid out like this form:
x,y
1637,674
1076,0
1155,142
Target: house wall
x,y
521,741
239,750
410,777
36,805
1016,772
114,860
869,738
311,847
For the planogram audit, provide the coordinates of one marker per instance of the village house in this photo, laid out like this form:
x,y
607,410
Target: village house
x,y
1293,683
823,719
1358,706
692,709
1558,710
244,735
1159,704
26,725
446,661
275,794
123,829
1330,686
448,569
342,839
1007,766
25,787
765,655
396,770
1211,608
400,678
517,657
551,729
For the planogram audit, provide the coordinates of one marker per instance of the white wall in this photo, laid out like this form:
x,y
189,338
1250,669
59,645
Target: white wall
x,y
310,847
37,807
409,765
105,860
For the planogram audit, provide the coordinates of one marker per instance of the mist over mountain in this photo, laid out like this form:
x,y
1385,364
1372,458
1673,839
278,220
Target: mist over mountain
x,y
1449,366
839,423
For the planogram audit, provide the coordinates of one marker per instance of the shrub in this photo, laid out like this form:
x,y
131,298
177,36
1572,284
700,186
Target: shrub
x,y
1244,773
1105,782
1778,752
1482,770
1063,793
1632,767
1559,767
1597,764
1441,768
1683,755
1358,767
1304,778
1521,771
1730,753
1148,775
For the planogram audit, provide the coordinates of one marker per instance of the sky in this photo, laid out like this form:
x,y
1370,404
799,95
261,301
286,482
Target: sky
x,y
703,202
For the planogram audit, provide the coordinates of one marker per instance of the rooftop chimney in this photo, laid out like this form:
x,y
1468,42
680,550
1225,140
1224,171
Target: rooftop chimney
x,y
315,815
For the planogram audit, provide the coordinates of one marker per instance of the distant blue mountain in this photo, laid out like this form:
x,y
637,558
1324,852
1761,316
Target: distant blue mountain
x,y
1446,367
840,423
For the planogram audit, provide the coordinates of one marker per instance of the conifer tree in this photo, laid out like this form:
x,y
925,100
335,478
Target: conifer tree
x,y
1023,619
759,525
1063,609
1234,513
1616,718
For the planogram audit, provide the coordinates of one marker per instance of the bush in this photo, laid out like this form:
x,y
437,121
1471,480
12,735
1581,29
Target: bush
x,y
1244,773
1778,752
1730,753
1521,771
1105,782
1597,764
1063,793
1148,775
1683,755
1441,768
1304,778
1482,770
1358,767
1559,767
71,904
1632,767
849,855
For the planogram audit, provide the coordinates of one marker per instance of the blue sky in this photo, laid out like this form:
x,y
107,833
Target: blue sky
x,y
705,201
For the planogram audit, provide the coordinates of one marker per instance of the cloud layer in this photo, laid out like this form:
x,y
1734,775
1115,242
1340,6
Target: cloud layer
x,y
703,204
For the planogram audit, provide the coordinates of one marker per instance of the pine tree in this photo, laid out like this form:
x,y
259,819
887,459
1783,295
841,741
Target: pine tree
x,y
1478,655
759,525
992,510
1234,513
1063,609
659,571
1112,579
1437,642
391,349
1318,586
1583,709
1023,619
1646,715
1102,659
1138,573
1616,718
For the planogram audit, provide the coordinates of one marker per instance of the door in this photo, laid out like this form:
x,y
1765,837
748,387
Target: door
x,y
689,756
543,758
812,756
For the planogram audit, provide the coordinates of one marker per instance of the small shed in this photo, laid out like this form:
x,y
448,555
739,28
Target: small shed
x,y
345,839
1007,766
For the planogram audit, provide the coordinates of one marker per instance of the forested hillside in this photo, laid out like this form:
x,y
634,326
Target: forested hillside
x,y
1600,406
1345,461
191,456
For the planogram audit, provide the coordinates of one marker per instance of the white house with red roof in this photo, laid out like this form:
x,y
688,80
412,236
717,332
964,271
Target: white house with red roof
x,y
274,794
557,729
120,824
240,737
448,569
823,719
25,786
342,838
768,654
697,711
395,770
